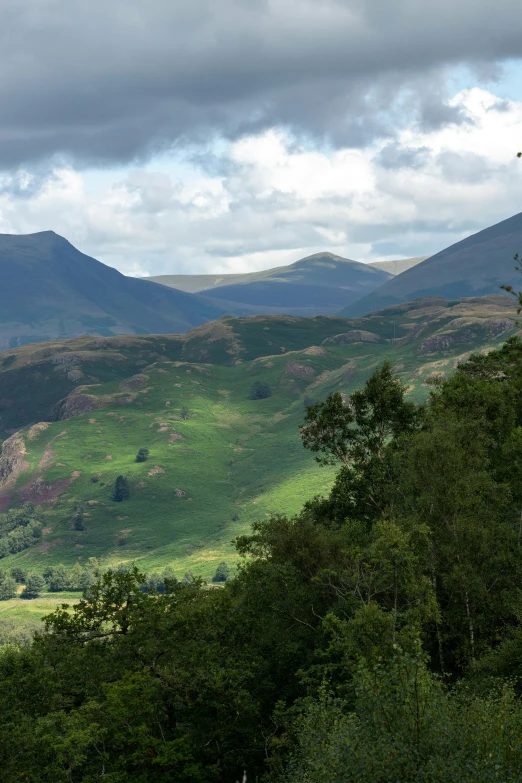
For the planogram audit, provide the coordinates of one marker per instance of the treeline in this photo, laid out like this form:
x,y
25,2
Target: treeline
x,y
375,637
59,578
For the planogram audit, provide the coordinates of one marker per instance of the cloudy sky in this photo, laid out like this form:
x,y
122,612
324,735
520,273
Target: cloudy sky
x,y
220,136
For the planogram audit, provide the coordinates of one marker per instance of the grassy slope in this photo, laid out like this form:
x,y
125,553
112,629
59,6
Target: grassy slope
x,y
234,460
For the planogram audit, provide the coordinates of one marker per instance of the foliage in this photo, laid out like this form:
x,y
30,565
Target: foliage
x,y
19,529
222,572
375,636
406,726
7,586
260,390
121,489
142,455
33,586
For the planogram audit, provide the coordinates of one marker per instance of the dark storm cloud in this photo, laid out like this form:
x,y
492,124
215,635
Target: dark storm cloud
x,y
105,82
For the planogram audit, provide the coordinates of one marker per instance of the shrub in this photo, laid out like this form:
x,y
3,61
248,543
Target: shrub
x,y
34,586
142,455
260,391
121,489
7,586
222,573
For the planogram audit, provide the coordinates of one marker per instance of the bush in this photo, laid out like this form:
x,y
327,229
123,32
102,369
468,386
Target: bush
x,y
142,455
7,586
222,573
19,575
58,579
34,586
406,726
260,391
121,489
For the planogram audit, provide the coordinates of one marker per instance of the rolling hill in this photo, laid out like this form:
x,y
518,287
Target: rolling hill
x,y
318,284
74,413
51,290
475,266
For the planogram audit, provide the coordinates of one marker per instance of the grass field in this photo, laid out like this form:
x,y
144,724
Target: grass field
x,y
19,619
218,460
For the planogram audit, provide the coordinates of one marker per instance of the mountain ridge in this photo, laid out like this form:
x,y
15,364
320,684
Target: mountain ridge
x,y
477,265
50,289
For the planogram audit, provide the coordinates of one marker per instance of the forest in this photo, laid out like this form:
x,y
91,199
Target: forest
x,y
375,637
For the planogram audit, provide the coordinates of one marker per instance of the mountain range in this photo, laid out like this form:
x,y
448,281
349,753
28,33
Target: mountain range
x,y
318,284
51,290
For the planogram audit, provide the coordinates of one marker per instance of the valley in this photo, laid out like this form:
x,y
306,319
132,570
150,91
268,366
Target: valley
x,y
74,413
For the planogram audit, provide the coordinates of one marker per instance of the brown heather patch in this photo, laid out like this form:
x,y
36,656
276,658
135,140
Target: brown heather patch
x,y
47,457
46,545
299,370
37,491
155,470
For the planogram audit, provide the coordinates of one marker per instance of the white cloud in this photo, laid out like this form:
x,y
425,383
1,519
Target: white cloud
x,y
268,200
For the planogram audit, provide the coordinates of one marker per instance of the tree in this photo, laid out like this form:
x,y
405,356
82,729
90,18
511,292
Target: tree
x,y
222,573
7,586
188,579
509,288
185,413
75,577
59,579
260,391
142,455
34,586
78,521
121,489
86,580
357,429
363,432
18,574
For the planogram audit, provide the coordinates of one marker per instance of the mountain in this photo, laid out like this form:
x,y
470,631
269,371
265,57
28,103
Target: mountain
x,y
49,289
74,413
399,266
318,284
475,266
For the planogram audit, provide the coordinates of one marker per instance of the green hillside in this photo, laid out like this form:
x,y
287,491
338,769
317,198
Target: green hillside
x,y
218,460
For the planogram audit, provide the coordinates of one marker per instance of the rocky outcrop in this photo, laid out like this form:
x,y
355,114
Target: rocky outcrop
x,y
353,336
12,461
73,405
299,370
136,382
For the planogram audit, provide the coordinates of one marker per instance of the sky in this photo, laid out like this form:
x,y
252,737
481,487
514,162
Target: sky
x,y
192,136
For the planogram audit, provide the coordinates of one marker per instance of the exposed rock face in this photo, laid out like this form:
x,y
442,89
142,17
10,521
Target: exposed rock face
x,y
12,461
299,370
353,336
444,342
136,382
73,405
